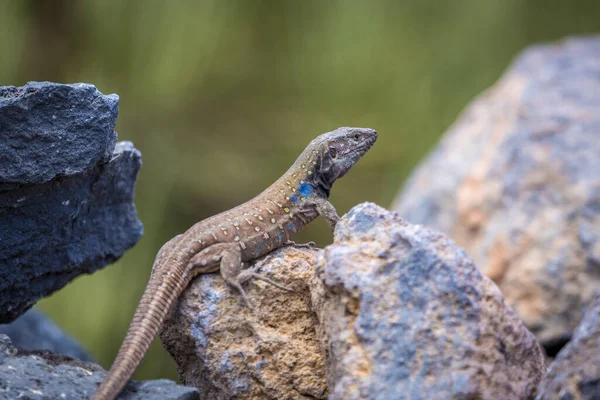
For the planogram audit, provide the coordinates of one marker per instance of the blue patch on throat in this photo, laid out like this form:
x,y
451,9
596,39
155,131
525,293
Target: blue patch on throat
x,y
294,198
305,189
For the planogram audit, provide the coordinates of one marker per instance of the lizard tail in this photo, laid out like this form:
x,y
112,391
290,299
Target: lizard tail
x,y
167,282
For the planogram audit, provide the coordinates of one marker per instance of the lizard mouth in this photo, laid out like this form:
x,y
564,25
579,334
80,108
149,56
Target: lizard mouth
x,y
369,141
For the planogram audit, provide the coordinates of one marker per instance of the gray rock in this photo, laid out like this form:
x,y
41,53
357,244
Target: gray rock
x,y
516,183
66,190
575,373
35,331
45,375
54,231
229,352
50,129
407,315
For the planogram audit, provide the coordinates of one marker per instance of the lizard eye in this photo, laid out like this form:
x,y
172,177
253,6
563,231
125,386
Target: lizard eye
x,y
333,153
356,137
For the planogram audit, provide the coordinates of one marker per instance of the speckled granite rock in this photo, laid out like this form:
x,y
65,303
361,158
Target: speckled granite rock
x,y
407,315
229,352
66,190
43,375
575,373
35,331
516,183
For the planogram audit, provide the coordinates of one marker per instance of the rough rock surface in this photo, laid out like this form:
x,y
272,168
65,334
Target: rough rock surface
x,y
409,316
55,231
44,375
516,183
50,129
575,373
66,190
35,331
230,352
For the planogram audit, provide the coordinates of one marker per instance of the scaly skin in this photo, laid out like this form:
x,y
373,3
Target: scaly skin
x,y
243,233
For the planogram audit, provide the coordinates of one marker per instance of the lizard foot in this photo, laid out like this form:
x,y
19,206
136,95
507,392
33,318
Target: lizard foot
x,y
250,273
265,279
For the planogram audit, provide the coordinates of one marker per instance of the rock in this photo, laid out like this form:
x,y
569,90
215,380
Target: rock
x,y
575,372
400,311
50,129
515,182
230,352
407,315
46,375
66,195
35,331
55,231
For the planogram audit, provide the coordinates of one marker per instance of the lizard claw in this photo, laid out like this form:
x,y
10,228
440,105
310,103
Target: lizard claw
x,y
265,279
240,289
308,245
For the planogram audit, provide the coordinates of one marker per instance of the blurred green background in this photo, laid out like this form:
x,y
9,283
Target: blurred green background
x,y
222,96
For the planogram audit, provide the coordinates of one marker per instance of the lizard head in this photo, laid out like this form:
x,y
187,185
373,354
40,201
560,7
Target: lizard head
x,y
337,151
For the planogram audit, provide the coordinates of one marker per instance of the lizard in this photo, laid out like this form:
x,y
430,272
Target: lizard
x,y
229,239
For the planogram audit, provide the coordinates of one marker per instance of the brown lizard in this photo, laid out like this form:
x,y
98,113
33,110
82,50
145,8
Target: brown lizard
x,y
243,233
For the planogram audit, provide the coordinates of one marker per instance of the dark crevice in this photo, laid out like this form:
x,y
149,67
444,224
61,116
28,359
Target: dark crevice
x,y
552,347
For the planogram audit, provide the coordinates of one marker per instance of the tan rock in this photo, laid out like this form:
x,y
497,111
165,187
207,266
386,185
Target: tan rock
x,y
516,183
230,352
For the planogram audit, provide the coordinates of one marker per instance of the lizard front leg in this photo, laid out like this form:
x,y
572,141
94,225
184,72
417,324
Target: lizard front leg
x,y
229,255
327,210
